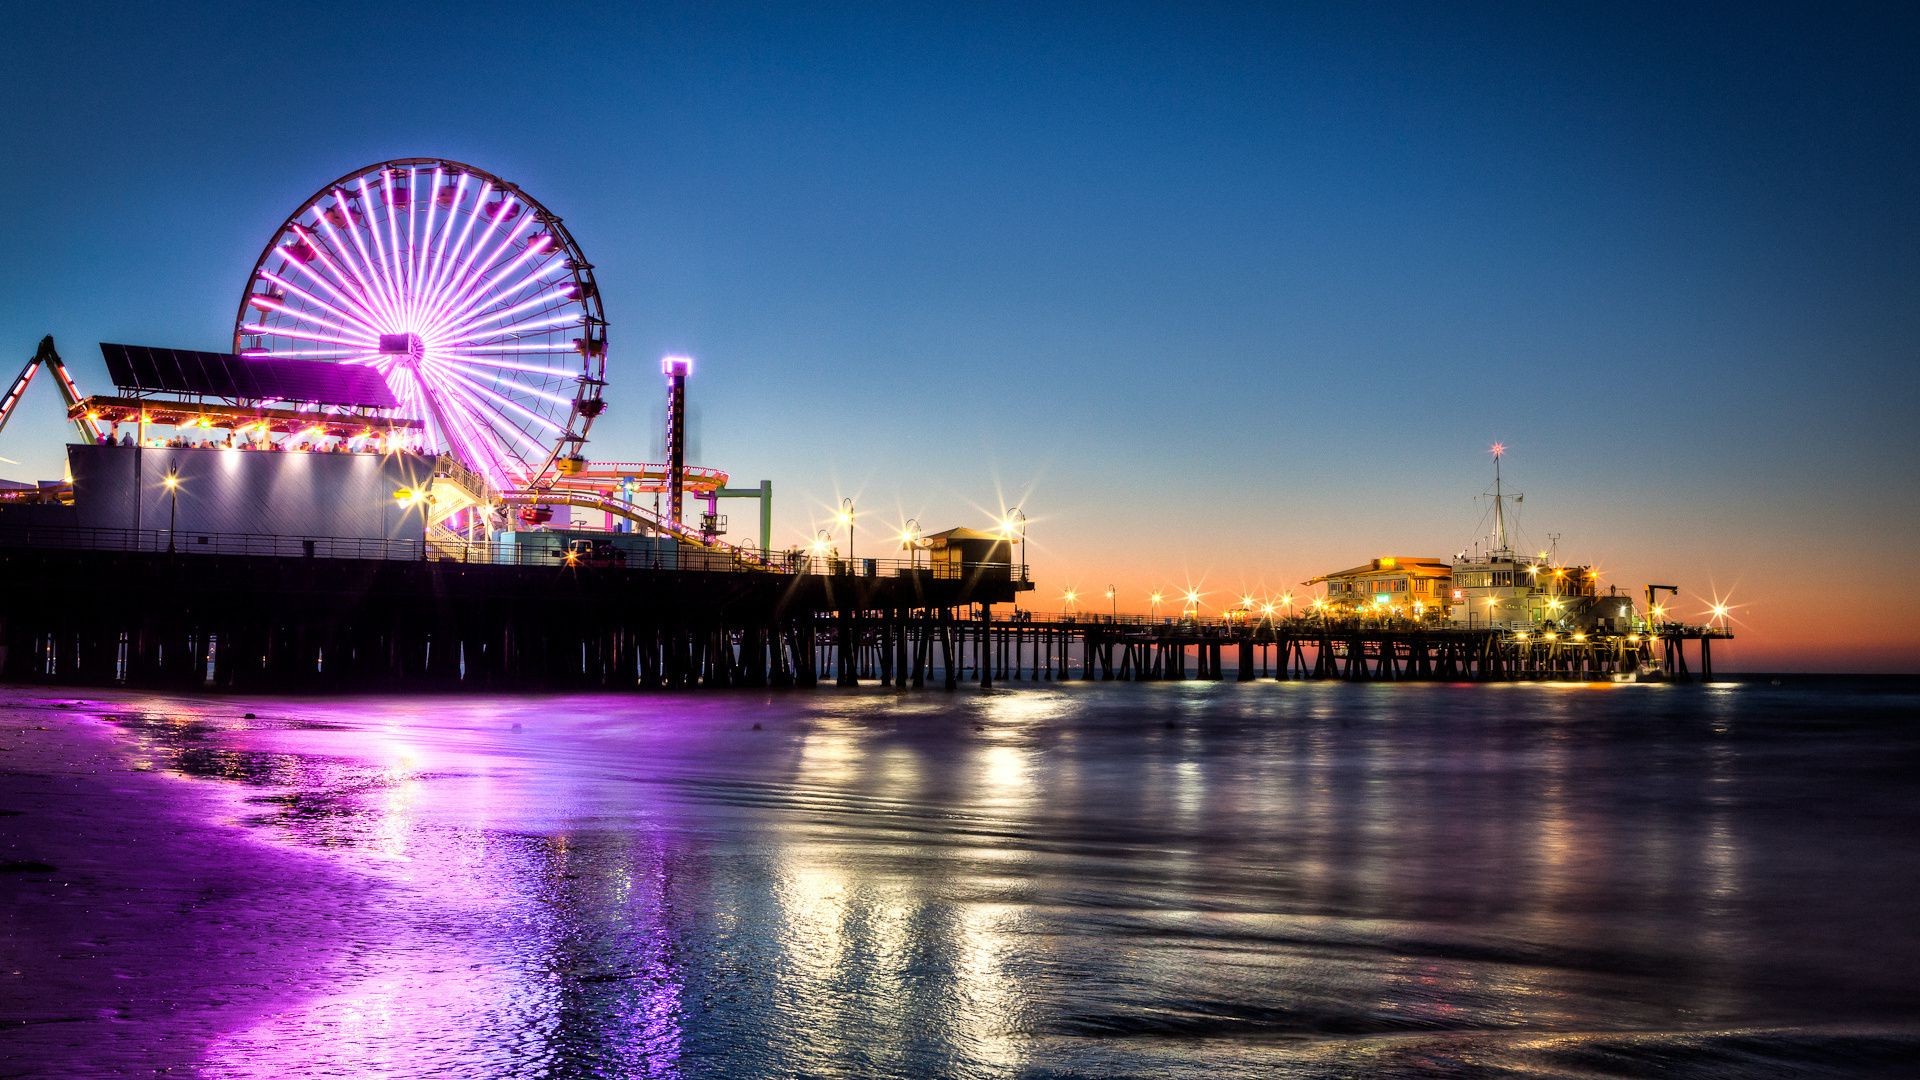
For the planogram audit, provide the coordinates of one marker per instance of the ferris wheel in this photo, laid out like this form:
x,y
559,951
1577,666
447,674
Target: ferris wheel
x,y
465,293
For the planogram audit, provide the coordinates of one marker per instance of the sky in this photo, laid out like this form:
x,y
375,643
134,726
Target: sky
x,y
1220,297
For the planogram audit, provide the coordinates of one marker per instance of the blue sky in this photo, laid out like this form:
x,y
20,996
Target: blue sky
x,y
1223,295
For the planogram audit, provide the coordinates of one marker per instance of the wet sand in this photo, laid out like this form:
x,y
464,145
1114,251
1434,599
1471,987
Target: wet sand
x,y
138,927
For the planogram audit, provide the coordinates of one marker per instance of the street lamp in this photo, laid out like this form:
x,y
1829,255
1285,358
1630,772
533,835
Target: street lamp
x,y
910,539
846,518
1071,596
1114,598
172,482
1014,527
1154,603
821,545
1193,605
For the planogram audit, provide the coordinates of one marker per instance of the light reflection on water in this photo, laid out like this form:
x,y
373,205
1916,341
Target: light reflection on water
x,y
1079,880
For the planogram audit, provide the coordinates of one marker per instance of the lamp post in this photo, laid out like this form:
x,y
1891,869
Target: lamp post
x,y
1153,602
910,539
846,518
821,545
1071,596
1017,523
172,482
1114,599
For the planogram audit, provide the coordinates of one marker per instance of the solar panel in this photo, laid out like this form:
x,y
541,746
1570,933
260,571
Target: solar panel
x,y
258,378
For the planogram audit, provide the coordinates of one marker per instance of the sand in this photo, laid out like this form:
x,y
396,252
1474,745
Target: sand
x,y
136,926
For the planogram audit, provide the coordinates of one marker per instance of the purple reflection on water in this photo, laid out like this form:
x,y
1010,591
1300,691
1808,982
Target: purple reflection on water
x,y
1205,881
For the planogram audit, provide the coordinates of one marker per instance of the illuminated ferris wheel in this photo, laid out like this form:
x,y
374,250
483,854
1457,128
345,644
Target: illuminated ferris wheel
x,y
468,295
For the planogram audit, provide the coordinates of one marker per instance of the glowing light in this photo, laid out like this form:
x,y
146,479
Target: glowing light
x,y
677,366
361,277
172,481
1498,449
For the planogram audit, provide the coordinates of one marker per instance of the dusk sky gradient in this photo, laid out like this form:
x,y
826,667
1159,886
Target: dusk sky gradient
x,y
1222,296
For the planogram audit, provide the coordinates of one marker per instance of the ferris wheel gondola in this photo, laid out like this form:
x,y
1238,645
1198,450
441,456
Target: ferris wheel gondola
x,y
468,295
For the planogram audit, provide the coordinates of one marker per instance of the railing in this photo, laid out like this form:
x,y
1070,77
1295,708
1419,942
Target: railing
x,y
78,538
447,546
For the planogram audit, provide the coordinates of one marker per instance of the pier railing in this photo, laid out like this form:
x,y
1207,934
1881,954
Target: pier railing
x,y
447,547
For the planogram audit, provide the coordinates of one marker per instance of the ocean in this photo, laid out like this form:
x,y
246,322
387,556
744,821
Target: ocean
x,y
1212,880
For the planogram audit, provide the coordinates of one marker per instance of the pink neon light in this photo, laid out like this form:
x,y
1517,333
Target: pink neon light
x,y
475,295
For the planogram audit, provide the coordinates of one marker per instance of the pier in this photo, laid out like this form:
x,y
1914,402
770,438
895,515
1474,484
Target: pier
x,y
106,608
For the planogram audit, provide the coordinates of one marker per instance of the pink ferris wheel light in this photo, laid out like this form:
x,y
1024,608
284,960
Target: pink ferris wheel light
x,y
465,293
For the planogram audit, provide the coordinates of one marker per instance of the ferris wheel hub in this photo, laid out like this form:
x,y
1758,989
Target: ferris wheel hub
x,y
408,345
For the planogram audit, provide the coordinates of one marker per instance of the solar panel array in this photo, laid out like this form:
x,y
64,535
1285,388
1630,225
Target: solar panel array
x,y
256,378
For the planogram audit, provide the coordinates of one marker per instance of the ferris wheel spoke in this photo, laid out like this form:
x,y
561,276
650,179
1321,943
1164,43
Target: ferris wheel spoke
x,y
479,335
477,294
360,270
355,229
482,431
433,252
449,257
404,260
413,396
419,250
363,275
372,225
466,440
348,289
461,356
522,347
505,435
275,279
502,400
266,303
344,355
483,320
281,331
455,283
478,264
505,382
475,290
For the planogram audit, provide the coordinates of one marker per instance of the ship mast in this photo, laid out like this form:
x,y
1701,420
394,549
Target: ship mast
x,y
1499,505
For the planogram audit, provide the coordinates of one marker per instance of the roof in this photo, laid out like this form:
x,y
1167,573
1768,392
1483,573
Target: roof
x,y
951,535
137,368
1413,566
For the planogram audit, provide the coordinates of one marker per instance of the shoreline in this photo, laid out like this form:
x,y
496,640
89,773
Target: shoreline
x,y
126,904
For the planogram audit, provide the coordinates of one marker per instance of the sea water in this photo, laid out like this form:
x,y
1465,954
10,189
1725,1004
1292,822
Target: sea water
x,y
1071,879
